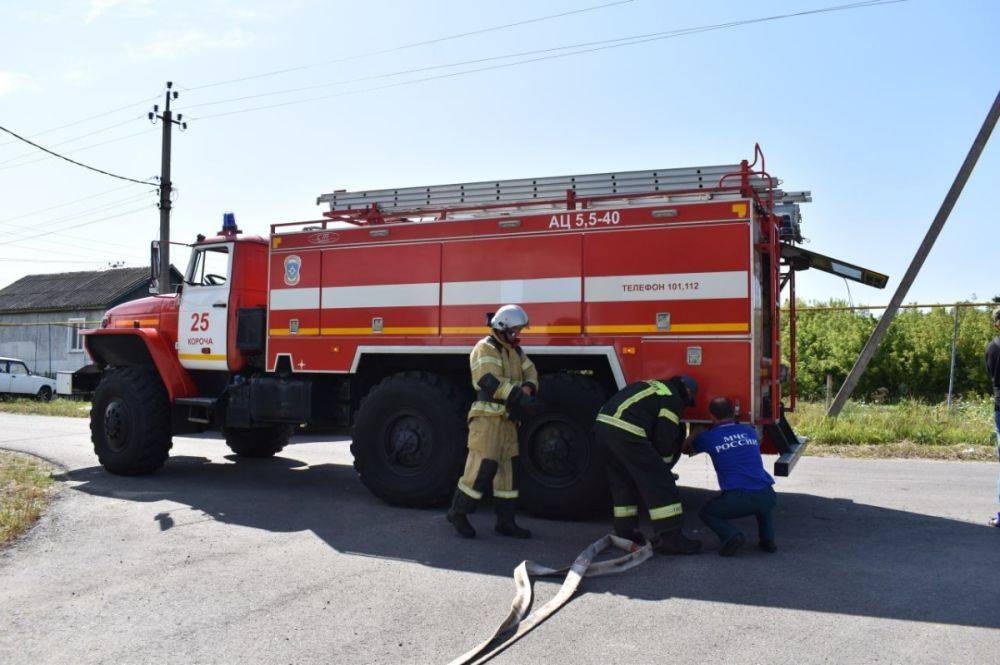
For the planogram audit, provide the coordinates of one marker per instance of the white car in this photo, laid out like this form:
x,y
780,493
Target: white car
x,y
17,379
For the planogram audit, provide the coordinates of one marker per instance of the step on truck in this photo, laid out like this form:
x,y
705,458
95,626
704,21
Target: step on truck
x,y
366,318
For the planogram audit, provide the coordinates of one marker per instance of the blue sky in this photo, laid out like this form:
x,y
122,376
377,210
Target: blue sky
x,y
872,110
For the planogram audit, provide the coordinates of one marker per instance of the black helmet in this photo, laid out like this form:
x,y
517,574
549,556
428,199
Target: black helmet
x,y
690,388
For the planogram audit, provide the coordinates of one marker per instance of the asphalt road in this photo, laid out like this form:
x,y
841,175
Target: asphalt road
x,y
291,560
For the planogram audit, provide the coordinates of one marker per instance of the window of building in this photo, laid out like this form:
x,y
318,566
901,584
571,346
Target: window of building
x,y
75,340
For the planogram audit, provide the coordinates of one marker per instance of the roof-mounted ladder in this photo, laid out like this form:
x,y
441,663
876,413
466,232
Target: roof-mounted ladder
x,y
468,199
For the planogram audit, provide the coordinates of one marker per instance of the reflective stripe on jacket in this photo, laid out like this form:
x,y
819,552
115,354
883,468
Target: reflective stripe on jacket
x,y
648,410
499,367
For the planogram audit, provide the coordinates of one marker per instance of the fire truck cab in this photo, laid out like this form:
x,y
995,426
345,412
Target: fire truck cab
x,y
366,319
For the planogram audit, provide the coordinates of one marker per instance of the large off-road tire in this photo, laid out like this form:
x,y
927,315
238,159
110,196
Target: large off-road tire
x,y
560,472
409,439
130,421
258,441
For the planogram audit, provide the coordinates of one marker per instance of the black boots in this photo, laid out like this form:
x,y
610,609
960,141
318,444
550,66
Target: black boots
x,y
634,535
461,505
506,526
461,523
675,542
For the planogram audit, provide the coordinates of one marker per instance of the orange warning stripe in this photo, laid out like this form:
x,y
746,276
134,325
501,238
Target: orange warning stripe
x,y
130,323
201,356
687,328
603,329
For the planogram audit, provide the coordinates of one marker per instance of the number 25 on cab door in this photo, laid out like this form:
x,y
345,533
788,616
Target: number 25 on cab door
x,y
199,321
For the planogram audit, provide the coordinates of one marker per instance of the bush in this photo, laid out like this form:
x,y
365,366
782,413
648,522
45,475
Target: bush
x,y
912,362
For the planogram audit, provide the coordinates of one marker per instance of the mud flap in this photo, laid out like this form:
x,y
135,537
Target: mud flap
x,y
790,446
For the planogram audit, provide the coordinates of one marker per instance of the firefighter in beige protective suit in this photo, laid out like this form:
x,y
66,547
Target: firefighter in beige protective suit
x,y
506,383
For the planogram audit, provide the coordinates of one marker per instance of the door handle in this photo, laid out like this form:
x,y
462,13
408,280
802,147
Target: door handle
x,y
220,304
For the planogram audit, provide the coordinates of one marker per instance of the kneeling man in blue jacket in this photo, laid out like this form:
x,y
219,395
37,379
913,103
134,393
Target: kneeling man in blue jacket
x,y
746,486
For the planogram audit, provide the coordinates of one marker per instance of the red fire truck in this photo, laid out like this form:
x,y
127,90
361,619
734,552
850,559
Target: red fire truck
x,y
366,318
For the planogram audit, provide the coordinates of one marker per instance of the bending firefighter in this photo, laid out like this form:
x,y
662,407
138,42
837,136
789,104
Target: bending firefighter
x,y
640,430
506,383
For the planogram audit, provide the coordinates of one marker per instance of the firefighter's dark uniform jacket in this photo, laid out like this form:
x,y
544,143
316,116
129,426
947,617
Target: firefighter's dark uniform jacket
x,y
499,370
641,431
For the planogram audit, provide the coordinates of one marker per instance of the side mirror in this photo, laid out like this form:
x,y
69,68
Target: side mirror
x,y
154,266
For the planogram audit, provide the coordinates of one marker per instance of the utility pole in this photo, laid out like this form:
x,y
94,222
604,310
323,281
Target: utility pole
x,y
166,186
918,260
954,352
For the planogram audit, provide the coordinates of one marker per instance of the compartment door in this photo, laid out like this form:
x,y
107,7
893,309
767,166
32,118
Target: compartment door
x,y
382,291
293,298
721,368
668,281
542,274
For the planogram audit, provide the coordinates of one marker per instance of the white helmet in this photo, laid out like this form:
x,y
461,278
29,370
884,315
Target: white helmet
x,y
507,317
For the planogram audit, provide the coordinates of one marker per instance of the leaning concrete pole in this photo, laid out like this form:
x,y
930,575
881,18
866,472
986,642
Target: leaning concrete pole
x,y
851,382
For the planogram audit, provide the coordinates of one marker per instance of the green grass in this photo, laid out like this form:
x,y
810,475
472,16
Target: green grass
x,y
25,490
907,429
57,407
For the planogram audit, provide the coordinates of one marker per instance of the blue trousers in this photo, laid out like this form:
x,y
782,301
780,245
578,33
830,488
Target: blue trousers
x,y
732,504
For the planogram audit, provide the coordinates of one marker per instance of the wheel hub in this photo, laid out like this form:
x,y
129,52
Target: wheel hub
x,y
408,443
554,451
116,424
557,452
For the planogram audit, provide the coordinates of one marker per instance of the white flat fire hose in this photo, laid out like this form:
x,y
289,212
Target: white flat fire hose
x,y
517,626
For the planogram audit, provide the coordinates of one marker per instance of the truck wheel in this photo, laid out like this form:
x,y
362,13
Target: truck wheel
x,y
409,437
44,394
560,473
130,421
258,441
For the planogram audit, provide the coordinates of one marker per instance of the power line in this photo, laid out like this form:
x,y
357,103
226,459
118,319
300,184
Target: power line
x,y
44,158
81,213
14,237
60,261
48,224
73,161
92,254
75,138
76,245
412,45
76,226
63,205
313,65
87,119
102,245
507,56
582,48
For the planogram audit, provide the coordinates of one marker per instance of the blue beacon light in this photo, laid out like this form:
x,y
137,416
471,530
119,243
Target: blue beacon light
x,y
229,223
